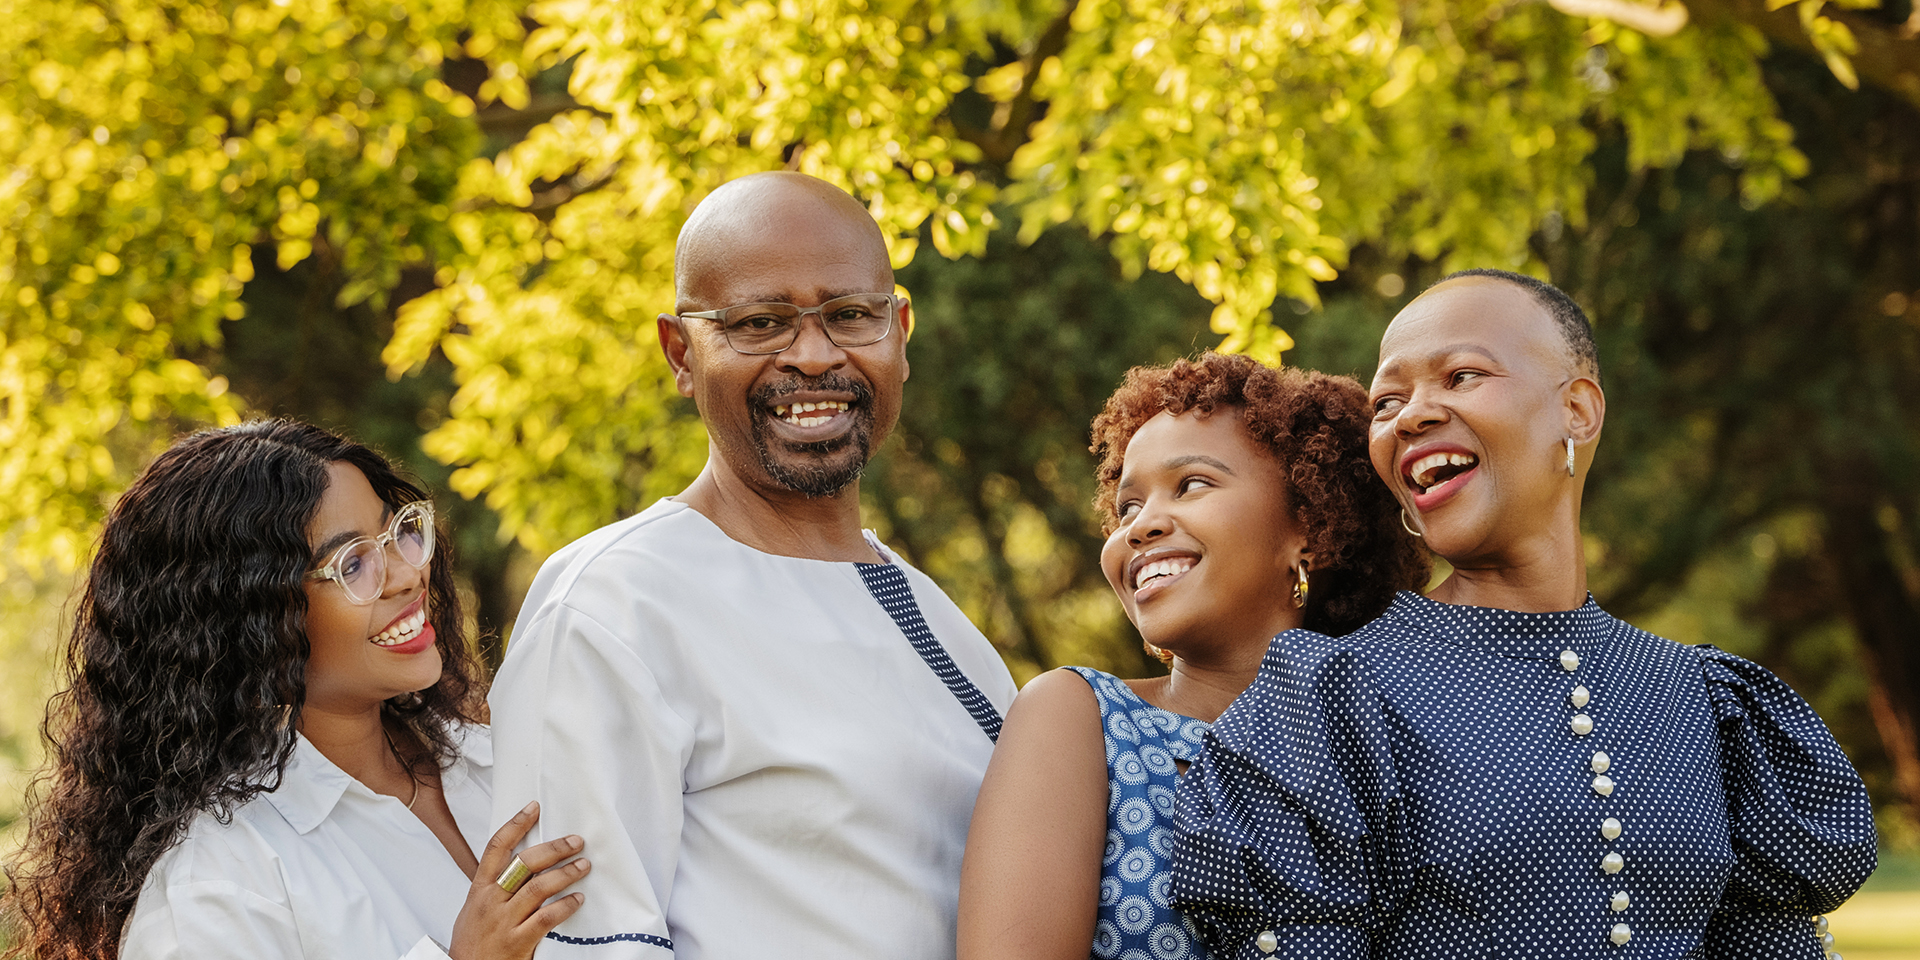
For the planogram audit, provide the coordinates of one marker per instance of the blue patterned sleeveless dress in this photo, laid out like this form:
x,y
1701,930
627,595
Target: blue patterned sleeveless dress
x,y
1137,921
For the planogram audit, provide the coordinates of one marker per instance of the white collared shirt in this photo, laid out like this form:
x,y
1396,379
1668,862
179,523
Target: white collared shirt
x,y
760,763
320,869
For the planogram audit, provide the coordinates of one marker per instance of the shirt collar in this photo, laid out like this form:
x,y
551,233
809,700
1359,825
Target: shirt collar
x,y
1508,633
310,787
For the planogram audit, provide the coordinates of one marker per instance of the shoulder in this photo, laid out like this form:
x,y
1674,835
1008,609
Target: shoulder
x,y
1738,684
244,850
1057,699
651,536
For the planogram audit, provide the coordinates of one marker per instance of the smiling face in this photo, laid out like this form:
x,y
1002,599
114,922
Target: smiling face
x,y
1475,398
1206,539
361,655
807,419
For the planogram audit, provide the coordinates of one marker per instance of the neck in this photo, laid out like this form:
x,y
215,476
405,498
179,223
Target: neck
x,y
781,522
1203,686
354,739
1546,572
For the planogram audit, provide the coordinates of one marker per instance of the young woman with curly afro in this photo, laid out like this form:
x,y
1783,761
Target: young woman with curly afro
x,y
269,744
1239,503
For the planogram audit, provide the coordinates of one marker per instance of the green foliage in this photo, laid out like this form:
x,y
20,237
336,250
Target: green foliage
x,y
1241,147
148,145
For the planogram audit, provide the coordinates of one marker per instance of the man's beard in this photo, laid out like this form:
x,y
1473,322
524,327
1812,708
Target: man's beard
x,y
811,468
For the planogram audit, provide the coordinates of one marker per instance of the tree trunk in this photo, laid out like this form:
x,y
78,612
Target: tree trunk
x,y
1884,614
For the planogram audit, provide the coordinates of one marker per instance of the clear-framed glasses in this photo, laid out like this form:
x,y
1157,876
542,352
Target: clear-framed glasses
x,y
360,567
761,328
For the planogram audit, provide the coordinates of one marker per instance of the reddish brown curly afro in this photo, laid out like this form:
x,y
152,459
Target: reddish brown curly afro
x,y
1316,427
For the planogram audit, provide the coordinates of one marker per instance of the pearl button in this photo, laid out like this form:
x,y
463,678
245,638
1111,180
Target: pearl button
x,y
1581,724
1826,942
1610,828
1580,696
1267,941
1569,661
1819,924
1613,863
1601,762
1603,785
1621,934
1620,902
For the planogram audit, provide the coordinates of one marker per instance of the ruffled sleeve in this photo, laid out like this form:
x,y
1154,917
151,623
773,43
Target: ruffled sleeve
x,y
1285,822
1798,815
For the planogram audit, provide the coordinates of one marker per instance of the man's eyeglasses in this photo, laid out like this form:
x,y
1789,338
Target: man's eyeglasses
x,y
762,328
360,567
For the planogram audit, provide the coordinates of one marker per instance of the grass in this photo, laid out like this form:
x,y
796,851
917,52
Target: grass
x,y
1882,921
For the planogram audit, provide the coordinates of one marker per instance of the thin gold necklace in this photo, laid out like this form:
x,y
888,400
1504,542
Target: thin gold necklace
x,y
404,765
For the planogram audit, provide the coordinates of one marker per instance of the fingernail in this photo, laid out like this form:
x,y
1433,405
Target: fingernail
x,y
530,807
575,843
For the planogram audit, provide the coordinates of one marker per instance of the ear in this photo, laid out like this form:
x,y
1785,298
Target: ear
x,y
1586,410
906,335
673,343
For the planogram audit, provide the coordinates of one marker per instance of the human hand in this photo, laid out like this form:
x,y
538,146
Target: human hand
x,y
497,925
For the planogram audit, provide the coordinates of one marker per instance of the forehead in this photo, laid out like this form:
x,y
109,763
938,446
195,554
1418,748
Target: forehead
x,y
349,506
1166,437
1473,314
790,249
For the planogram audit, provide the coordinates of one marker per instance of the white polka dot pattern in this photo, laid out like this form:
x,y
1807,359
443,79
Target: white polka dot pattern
x,y
1421,789
1137,920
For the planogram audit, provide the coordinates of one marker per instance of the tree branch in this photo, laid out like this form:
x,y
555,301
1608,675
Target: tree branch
x,y
1008,129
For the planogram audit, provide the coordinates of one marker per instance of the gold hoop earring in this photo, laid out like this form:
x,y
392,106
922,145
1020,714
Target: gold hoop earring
x,y
1300,585
1404,525
1569,456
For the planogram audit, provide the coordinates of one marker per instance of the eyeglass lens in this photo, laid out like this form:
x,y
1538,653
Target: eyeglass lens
x,y
853,321
362,566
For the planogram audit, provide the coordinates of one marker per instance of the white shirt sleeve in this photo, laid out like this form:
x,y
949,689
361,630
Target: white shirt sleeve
x,y
209,920
580,724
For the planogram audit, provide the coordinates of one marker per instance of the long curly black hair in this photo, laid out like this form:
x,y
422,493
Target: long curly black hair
x,y
186,672
1315,425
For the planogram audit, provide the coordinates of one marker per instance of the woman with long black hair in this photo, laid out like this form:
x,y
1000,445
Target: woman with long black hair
x,y
269,744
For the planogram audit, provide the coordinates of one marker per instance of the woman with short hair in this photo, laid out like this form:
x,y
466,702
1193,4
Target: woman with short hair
x,y
1500,768
1238,504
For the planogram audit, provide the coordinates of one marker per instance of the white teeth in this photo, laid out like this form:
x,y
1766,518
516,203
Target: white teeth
x,y
793,414
1162,568
407,629
1423,468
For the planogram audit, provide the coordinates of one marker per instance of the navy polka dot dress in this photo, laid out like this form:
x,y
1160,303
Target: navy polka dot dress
x,y
1462,782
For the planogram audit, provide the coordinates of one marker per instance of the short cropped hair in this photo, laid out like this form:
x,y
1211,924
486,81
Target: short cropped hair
x,y
1567,314
1315,425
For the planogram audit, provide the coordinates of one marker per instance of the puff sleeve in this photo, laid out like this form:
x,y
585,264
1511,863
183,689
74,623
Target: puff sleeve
x,y
1797,813
1285,822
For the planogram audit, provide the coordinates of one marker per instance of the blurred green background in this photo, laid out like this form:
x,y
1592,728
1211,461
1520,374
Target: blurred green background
x,y
446,227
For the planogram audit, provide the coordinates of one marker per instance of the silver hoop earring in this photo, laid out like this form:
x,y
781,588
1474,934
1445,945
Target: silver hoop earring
x,y
1569,456
1406,526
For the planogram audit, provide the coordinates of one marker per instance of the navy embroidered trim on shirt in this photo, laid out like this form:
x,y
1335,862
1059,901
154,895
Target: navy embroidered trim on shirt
x,y
889,586
596,941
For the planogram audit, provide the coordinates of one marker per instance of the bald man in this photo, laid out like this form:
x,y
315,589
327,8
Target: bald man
x,y
767,727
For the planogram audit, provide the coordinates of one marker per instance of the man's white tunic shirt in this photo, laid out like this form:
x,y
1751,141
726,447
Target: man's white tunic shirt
x,y
759,761
320,869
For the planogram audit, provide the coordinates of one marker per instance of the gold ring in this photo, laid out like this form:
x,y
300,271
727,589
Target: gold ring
x,y
513,876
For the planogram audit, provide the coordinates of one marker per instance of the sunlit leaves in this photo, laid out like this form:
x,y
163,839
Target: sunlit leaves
x,y
145,148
